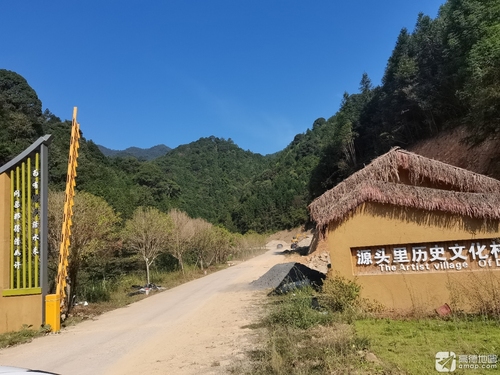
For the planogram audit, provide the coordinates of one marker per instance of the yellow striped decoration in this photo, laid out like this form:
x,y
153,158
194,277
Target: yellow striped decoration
x,y
24,275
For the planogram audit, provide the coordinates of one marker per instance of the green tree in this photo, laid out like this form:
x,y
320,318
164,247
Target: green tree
x,y
93,232
477,31
482,88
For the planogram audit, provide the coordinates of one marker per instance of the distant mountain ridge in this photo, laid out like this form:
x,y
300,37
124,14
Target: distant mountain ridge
x,y
137,152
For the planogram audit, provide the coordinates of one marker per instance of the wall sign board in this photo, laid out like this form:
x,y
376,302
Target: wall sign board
x,y
457,256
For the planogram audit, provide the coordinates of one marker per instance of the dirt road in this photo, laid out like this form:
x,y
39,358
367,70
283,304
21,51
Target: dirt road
x,y
195,328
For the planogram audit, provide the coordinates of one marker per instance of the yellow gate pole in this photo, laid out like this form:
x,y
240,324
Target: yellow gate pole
x,y
54,302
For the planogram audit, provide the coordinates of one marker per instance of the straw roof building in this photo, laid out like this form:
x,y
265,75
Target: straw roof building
x,y
406,201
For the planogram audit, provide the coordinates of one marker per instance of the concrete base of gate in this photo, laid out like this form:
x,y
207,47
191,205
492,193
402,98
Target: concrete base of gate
x,y
53,312
20,311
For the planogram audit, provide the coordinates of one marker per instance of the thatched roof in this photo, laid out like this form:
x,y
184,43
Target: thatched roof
x,y
478,205
464,192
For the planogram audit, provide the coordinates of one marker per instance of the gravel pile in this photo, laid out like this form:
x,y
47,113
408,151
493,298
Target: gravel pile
x,y
273,277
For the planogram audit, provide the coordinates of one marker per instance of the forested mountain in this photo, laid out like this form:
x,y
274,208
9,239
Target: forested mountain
x,y
20,115
211,175
137,152
444,73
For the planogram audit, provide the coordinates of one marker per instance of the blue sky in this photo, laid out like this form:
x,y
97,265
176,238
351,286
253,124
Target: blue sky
x,y
148,72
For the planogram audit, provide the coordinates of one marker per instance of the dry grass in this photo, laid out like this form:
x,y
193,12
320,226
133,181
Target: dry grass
x,y
333,349
26,334
298,339
476,292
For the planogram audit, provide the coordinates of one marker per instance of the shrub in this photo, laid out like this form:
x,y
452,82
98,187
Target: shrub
x,y
99,291
340,294
294,310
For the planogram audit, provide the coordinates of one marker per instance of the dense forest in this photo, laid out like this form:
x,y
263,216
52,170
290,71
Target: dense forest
x,y
443,73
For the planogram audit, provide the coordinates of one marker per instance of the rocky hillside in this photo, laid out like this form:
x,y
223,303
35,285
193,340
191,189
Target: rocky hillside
x,y
452,147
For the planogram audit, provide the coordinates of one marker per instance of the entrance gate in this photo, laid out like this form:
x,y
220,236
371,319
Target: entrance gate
x,y
23,238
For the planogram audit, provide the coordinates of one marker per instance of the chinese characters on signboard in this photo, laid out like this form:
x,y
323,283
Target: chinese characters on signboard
x,y
456,255
20,218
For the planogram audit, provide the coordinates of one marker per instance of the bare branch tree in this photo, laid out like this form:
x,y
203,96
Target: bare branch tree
x,y
182,235
202,243
148,232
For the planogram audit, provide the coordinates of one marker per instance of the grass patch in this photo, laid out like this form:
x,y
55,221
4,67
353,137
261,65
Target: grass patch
x,y
26,334
299,339
411,345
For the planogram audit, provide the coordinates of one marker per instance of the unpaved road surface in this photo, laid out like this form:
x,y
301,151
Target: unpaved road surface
x,y
195,328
